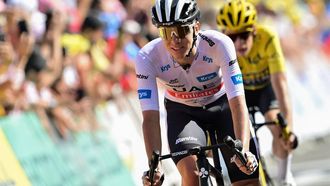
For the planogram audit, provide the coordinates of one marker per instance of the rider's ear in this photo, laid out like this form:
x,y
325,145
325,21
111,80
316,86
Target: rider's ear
x,y
254,31
197,26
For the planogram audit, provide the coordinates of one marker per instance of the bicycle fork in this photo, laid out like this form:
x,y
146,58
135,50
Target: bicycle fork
x,y
205,170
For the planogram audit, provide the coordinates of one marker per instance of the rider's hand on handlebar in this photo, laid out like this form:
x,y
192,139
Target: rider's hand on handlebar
x,y
290,143
157,179
251,163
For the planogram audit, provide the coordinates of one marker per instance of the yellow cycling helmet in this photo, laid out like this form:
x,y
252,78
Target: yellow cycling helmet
x,y
236,16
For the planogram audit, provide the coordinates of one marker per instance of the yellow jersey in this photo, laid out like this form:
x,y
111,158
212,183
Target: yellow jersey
x,y
265,58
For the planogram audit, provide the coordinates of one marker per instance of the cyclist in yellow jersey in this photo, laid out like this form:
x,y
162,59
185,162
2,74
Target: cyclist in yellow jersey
x,y
262,64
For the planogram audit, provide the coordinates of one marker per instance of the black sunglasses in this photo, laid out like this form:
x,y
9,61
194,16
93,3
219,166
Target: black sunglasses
x,y
243,36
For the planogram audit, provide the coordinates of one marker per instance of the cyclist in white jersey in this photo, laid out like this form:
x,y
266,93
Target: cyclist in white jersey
x,y
204,90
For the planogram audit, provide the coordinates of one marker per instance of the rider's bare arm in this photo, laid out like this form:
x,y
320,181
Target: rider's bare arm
x,y
151,131
240,120
280,87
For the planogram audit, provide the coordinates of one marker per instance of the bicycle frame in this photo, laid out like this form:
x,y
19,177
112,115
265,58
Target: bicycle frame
x,y
256,126
216,159
265,179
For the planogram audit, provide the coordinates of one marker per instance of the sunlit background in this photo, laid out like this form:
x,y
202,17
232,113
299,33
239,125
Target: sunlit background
x,y
68,104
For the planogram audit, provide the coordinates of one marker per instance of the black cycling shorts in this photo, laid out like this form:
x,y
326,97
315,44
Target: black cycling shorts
x,y
263,98
187,129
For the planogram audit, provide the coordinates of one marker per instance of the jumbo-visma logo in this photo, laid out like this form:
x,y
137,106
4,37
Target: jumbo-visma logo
x,y
237,79
144,93
206,77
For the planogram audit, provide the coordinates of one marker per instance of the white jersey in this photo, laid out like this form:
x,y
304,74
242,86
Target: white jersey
x,y
213,73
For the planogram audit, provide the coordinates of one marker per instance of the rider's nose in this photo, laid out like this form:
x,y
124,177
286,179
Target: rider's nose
x,y
175,39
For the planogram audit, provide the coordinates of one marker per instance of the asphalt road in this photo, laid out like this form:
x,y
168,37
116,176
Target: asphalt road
x,y
311,162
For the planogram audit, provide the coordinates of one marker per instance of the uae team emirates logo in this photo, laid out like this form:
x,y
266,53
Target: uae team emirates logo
x,y
192,95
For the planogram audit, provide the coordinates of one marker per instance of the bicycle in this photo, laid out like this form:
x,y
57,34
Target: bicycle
x,y
265,178
204,167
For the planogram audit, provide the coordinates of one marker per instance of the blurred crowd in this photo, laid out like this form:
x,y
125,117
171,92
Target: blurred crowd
x,y
63,58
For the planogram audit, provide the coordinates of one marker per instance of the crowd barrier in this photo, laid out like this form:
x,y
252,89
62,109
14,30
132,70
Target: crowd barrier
x,y
28,156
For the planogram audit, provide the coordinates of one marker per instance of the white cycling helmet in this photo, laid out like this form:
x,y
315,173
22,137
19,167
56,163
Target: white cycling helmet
x,y
174,12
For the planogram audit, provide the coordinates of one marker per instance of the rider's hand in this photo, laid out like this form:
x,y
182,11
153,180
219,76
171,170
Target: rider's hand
x,y
251,163
157,179
290,143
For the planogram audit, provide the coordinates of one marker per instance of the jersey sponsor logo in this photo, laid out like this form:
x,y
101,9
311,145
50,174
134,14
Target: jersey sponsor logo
x,y
211,85
188,138
259,79
255,60
192,94
208,40
207,59
165,68
175,86
184,152
173,81
232,62
144,93
141,76
207,77
237,79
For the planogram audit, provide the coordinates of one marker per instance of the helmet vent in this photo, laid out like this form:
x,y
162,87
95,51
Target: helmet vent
x,y
163,12
239,17
173,7
154,13
231,18
185,13
246,19
224,22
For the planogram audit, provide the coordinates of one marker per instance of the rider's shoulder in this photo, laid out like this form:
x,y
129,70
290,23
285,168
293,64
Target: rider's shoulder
x,y
152,46
151,50
213,37
265,30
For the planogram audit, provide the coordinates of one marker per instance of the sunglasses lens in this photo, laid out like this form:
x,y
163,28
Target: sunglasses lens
x,y
243,36
183,31
168,32
162,33
233,37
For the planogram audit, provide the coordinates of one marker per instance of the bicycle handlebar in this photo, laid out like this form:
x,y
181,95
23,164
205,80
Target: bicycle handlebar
x,y
281,121
234,145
